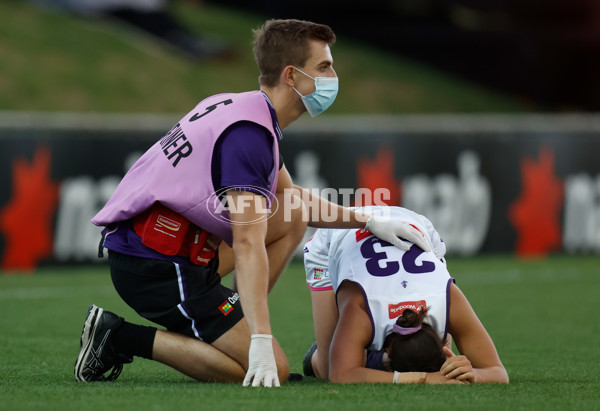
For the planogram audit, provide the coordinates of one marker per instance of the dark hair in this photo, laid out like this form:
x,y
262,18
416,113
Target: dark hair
x,y
418,352
279,43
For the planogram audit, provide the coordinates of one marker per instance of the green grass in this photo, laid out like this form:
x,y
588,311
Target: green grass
x,y
61,62
541,315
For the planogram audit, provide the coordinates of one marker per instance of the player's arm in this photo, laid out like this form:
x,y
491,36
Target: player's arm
x,y
324,308
479,360
249,224
352,335
325,318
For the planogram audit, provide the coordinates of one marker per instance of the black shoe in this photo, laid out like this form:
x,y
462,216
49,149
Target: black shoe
x,y
96,353
307,362
293,377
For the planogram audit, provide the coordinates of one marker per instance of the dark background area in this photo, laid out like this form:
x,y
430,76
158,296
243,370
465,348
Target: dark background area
x,y
547,52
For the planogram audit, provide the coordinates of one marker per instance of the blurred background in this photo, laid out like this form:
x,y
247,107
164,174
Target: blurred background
x,y
480,115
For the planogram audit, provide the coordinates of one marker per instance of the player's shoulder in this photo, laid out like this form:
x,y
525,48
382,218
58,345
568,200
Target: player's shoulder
x,y
319,239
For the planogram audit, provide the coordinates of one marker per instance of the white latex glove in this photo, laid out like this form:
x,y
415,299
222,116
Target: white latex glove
x,y
261,362
389,230
439,247
437,244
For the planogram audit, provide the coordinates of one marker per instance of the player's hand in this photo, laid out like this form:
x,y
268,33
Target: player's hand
x,y
389,230
457,367
386,361
262,368
438,378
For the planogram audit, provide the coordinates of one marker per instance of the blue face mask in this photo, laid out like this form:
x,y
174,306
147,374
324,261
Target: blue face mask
x,y
326,89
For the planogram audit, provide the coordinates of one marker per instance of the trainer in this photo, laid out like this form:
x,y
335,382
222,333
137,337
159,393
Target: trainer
x,y
215,177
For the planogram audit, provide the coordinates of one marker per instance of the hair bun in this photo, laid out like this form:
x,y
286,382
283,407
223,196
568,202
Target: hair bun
x,y
409,318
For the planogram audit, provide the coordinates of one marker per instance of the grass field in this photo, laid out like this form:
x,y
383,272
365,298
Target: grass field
x,y
62,62
540,314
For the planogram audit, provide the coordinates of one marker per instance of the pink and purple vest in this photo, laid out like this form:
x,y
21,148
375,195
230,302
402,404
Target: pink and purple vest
x,y
176,170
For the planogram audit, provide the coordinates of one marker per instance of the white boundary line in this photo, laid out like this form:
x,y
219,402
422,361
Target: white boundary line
x,y
346,124
59,292
466,277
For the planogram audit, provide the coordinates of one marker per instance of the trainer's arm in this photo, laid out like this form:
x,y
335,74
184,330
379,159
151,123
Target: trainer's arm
x,y
338,216
479,361
249,226
352,335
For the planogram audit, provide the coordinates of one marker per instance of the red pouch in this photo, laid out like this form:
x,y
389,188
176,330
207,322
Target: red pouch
x,y
204,247
162,229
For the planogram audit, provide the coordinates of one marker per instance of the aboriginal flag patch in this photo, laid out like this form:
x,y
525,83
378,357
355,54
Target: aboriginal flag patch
x,y
318,273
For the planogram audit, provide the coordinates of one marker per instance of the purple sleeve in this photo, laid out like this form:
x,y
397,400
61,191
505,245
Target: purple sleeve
x,y
375,360
245,158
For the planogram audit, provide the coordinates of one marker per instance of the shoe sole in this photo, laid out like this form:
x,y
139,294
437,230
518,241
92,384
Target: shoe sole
x,y
89,329
307,368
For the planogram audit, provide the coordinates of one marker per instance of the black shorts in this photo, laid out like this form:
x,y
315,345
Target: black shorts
x,y
185,299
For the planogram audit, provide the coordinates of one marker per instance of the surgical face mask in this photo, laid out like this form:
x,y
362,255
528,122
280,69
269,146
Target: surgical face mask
x,y
326,89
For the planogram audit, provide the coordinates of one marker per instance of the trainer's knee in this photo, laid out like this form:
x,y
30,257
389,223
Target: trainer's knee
x,y
283,366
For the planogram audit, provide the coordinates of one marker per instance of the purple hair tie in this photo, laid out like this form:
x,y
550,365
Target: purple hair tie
x,y
405,330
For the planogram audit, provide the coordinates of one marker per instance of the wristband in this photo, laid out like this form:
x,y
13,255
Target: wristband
x,y
269,336
409,377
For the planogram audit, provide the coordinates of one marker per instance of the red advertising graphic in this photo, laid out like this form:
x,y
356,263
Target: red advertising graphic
x,y
379,173
396,310
26,220
536,213
362,233
528,191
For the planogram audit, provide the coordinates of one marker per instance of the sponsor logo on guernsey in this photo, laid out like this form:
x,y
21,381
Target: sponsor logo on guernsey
x,y
168,223
396,310
320,273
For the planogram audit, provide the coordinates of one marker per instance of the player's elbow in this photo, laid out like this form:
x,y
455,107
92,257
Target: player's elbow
x,y
496,374
338,376
500,375
503,378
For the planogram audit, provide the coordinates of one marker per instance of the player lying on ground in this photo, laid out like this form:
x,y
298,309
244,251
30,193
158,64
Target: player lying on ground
x,y
368,295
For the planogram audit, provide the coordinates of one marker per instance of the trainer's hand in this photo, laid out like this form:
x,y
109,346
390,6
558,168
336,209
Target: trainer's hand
x,y
457,367
389,230
262,368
